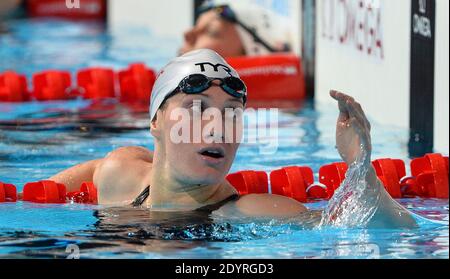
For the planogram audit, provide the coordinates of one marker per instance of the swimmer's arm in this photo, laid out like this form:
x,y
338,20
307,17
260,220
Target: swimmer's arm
x,y
352,132
389,213
263,206
76,175
99,170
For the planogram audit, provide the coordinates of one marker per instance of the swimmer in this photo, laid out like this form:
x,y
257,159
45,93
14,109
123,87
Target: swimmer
x,y
237,29
192,176
8,7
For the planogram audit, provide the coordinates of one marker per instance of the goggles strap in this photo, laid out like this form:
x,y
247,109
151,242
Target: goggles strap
x,y
231,17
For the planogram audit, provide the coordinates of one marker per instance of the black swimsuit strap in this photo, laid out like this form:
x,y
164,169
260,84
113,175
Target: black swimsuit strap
x,y
216,206
142,197
210,208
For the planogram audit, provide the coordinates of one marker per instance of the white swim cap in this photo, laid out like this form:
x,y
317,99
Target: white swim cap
x,y
202,61
268,26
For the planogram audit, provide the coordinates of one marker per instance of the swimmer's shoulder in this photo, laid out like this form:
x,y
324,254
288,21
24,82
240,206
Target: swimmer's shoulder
x,y
123,174
131,153
262,205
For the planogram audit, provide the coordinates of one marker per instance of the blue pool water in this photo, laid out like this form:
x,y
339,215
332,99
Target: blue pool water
x,y
38,140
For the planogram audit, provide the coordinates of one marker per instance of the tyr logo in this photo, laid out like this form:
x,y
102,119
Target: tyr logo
x,y
215,67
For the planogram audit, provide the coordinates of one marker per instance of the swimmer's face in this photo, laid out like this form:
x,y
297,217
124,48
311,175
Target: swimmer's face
x,y
214,33
198,162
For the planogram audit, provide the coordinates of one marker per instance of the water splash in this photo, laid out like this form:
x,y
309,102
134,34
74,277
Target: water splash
x,y
355,202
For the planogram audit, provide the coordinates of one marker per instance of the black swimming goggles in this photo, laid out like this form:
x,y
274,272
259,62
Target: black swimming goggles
x,y
228,14
198,83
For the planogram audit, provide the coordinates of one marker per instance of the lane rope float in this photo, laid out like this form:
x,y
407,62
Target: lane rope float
x,y
264,77
429,179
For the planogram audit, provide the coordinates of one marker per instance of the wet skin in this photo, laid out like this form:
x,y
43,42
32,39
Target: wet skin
x,y
214,33
8,6
182,180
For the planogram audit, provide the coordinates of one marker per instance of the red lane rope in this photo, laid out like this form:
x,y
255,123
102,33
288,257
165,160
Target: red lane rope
x,y
429,180
263,76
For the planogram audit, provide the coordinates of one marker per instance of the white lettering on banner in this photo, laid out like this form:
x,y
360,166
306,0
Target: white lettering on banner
x,y
422,26
354,23
423,6
71,4
60,7
421,23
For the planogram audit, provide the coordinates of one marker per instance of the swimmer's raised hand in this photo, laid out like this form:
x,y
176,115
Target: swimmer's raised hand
x,y
354,144
352,130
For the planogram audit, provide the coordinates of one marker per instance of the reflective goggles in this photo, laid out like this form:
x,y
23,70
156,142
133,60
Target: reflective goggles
x,y
198,83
